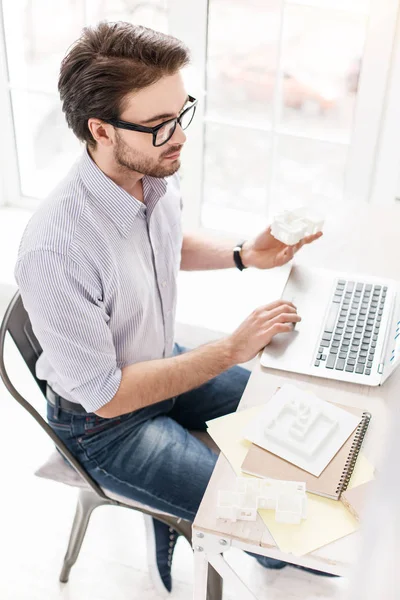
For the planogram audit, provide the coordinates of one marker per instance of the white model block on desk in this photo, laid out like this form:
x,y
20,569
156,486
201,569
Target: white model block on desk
x,y
288,498
236,505
291,226
247,486
307,429
289,509
300,428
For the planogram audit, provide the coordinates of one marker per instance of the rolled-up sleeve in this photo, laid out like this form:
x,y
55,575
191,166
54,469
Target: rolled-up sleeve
x,y
68,317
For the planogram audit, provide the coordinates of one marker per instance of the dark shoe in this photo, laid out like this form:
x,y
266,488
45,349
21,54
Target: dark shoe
x,y
272,563
269,563
314,571
161,541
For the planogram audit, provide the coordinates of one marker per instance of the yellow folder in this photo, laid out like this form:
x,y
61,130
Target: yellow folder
x,y
327,520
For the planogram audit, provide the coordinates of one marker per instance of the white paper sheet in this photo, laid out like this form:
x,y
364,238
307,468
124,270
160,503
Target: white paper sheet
x,y
302,429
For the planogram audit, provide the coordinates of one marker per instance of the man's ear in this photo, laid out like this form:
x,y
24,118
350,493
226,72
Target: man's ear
x,y
102,133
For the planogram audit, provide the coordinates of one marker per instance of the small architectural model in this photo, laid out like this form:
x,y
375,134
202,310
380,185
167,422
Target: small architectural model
x,y
291,226
301,426
287,498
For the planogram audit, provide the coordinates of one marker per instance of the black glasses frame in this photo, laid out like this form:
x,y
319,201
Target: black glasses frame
x,y
154,130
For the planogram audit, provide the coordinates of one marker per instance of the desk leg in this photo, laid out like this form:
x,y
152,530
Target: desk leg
x,y
207,581
200,578
209,569
226,571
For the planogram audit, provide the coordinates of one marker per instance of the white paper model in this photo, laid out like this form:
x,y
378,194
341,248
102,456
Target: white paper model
x,y
300,428
291,226
287,498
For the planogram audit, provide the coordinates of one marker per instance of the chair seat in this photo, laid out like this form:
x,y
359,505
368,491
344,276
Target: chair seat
x,y
57,469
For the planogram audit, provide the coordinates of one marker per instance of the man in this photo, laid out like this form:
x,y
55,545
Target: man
x,y
97,270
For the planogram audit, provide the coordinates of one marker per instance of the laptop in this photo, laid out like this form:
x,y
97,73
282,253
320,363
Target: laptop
x,y
350,327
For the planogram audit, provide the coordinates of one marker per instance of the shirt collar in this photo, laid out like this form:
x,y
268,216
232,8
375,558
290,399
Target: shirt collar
x,y
119,206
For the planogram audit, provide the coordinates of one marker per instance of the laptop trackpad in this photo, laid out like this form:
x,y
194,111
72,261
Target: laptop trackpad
x,y
310,291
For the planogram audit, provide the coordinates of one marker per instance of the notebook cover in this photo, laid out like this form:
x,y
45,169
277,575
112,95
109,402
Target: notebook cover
x,y
261,463
354,499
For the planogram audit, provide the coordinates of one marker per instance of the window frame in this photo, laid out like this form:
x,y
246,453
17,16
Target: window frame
x,y
189,22
386,179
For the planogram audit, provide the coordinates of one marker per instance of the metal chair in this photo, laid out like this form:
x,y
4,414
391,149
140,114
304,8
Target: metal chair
x,y
16,322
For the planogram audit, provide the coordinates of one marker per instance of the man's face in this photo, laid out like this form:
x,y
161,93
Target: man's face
x,y
134,150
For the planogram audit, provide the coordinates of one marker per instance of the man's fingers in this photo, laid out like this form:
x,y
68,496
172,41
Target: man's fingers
x,y
311,238
276,304
275,329
289,252
289,317
306,240
283,323
300,244
280,310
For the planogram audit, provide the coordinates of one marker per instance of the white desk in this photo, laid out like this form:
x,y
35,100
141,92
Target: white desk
x,y
362,239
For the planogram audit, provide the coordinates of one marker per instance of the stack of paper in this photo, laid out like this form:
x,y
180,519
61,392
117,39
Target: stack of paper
x,y
327,520
302,429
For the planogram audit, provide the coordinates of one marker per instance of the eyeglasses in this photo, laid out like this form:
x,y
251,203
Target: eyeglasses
x,y
164,131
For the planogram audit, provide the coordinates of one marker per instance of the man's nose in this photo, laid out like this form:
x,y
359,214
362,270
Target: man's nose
x,y
179,136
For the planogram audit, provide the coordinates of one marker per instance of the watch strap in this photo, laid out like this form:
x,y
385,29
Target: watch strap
x,y
237,257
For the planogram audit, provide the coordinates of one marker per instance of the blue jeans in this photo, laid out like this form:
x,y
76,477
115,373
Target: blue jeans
x,y
149,455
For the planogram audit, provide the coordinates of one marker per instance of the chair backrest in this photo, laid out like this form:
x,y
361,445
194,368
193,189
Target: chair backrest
x,y
16,322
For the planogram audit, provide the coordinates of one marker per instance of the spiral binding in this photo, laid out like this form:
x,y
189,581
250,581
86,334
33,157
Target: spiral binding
x,y
353,454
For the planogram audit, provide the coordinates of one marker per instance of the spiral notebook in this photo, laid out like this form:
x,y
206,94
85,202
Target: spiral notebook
x,y
333,480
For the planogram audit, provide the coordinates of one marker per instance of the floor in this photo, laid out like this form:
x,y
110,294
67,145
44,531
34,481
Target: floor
x,y
36,515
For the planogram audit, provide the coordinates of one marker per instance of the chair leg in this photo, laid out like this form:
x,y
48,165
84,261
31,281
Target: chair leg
x,y
214,581
87,502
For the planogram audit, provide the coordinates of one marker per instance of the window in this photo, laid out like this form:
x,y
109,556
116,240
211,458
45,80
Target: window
x,y
37,35
291,96
283,91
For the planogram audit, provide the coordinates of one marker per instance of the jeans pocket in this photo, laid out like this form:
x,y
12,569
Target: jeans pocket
x,y
56,425
63,429
95,424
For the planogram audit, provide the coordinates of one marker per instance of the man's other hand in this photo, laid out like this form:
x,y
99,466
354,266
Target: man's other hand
x,y
266,252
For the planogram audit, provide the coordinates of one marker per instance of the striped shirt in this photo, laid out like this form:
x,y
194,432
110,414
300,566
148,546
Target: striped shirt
x,y
97,270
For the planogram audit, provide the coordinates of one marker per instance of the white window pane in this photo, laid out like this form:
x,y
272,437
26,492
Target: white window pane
x,y
152,13
360,6
38,33
307,173
46,147
322,56
242,54
235,177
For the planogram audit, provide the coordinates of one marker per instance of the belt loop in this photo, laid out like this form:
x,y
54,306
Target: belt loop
x,y
56,412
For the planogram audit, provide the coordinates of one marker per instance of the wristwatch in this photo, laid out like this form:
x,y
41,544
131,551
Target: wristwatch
x,y
237,256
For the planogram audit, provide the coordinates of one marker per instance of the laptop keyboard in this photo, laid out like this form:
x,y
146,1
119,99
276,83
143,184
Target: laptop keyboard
x,y
351,330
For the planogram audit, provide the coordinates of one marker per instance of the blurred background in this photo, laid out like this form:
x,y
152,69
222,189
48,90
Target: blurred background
x,y
293,100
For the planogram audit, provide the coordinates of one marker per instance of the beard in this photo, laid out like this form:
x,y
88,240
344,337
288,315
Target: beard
x,y
128,159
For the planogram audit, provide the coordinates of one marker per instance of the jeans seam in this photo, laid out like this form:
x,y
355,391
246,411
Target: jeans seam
x,y
121,481
66,427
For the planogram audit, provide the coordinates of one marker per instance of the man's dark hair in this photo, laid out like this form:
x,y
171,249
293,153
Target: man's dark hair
x,y
106,63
